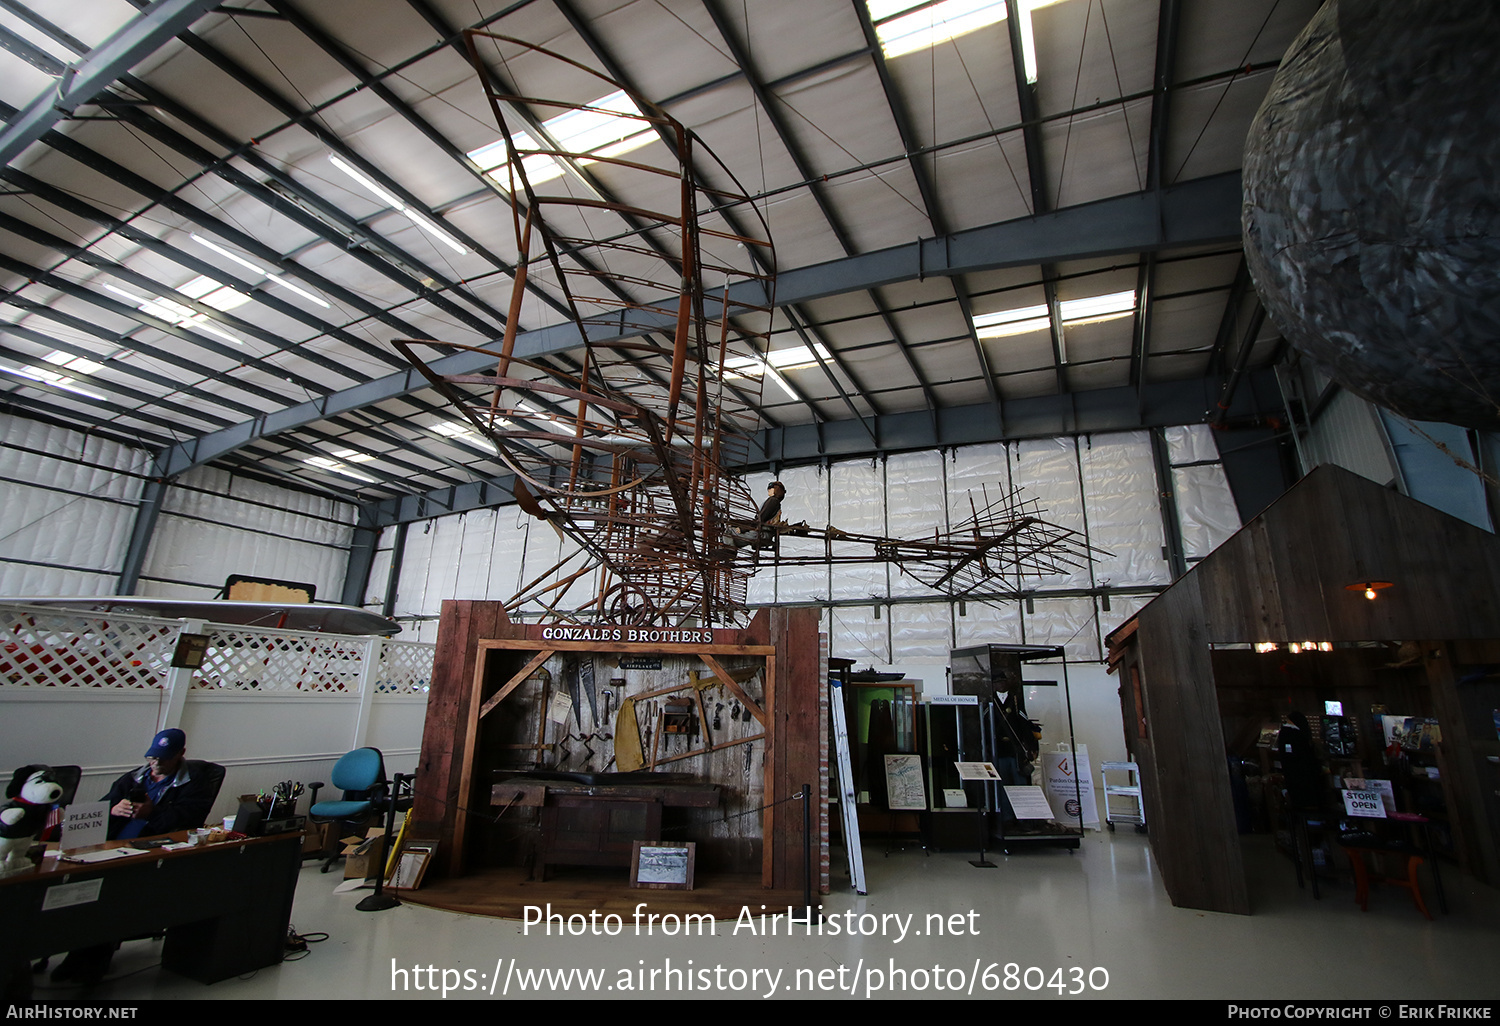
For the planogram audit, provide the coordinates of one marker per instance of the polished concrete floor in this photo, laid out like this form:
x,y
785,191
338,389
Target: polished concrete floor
x,y
1096,922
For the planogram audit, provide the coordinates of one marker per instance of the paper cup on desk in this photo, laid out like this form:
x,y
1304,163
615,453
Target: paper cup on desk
x,y
228,823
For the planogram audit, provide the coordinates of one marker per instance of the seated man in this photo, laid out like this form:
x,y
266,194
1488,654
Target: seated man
x,y
763,531
168,793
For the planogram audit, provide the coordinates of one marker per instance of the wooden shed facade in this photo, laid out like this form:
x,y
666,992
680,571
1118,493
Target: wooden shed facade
x,y
1285,577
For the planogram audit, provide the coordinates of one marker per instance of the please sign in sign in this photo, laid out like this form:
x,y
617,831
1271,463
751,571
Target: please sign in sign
x,y
1364,803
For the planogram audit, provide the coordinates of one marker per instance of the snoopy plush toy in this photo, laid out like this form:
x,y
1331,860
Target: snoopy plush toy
x,y
32,793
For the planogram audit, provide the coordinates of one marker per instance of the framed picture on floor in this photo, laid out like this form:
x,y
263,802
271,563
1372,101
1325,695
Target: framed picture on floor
x,y
663,865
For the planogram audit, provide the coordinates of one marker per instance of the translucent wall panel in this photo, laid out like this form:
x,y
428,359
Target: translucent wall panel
x,y
916,506
512,528
857,504
215,524
1206,508
1121,608
761,590
977,474
855,633
416,566
471,579
1068,622
921,632
806,499
1124,515
1191,443
66,532
990,622
1047,471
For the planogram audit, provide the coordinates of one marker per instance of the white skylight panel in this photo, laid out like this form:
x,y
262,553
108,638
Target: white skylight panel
x,y
215,294
1097,308
73,363
1011,322
52,378
174,313
335,467
611,130
938,23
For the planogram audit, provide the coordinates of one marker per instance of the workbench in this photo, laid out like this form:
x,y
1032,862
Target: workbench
x,y
594,819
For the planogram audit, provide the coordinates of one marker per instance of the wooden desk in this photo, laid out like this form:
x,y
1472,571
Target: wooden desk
x,y
595,824
224,908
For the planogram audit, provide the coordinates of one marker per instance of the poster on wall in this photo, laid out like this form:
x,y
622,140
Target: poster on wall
x,y
1068,781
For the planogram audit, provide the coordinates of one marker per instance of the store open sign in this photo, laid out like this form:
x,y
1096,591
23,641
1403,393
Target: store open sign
x,y
1364,803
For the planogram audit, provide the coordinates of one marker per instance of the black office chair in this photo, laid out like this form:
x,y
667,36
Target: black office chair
x,y
360,775
213,775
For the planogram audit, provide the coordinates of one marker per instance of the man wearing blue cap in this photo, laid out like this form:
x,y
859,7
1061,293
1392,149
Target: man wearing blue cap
x,y
168,793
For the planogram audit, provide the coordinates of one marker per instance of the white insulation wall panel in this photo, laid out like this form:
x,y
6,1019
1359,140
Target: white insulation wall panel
x,y
761,590
855,633
512,530
66,509
380,570
916,506
857,505
1205,507
214,524
1068,622
1206,512
471,567
806,499
1191,443
988,622
1124,517
1046,470
921,632
416,567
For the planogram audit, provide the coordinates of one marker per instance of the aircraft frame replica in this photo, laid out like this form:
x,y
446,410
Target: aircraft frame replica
x,y
627,448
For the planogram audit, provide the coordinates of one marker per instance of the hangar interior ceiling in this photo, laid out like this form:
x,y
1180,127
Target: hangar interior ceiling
x,y
216,217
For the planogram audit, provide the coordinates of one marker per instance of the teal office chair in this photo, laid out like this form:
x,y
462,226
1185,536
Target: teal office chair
x,y
360,775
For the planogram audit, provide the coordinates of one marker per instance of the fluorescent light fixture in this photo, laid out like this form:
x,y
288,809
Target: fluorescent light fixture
x,y
353,456
381,194
1028,41
232,256
391,201
278,279
259,270
611,127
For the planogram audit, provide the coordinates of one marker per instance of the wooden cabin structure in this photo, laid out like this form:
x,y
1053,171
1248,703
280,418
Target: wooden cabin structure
x,y
1193,687
488,714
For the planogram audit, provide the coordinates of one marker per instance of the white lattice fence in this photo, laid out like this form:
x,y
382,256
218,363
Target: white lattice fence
x,y
58,649
53,649
260,659
405,668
